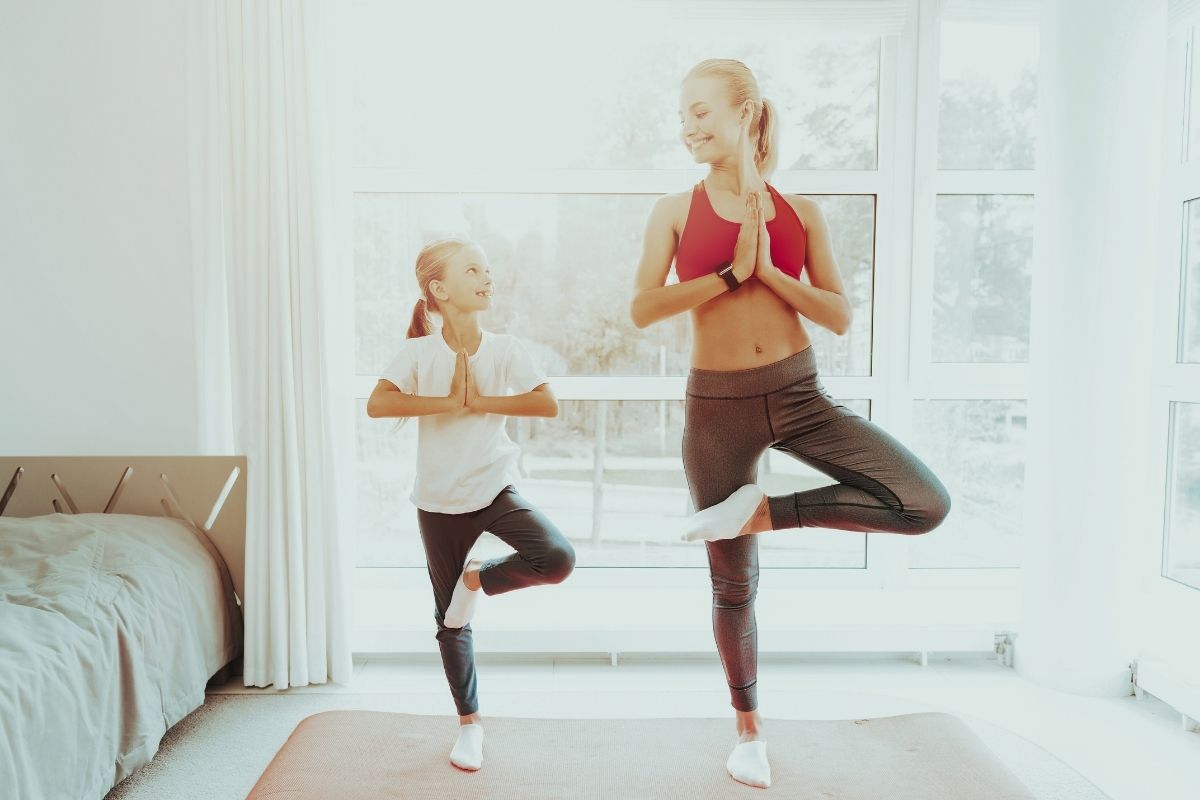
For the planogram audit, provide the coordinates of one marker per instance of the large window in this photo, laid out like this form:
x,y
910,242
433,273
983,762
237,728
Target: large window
x,y
595,129
972,278
1179,377
550,143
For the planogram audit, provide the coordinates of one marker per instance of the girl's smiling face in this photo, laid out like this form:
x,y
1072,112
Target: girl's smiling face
x,y
467,281
710,127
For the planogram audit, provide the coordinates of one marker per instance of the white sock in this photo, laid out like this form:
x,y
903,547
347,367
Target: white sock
x,y
468,750
727,518
462,605
748,764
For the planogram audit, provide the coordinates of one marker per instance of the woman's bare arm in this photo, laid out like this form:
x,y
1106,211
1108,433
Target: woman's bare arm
x,y
823,301
652,299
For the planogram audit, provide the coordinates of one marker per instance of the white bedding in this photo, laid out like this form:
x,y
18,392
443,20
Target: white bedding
x,y
110,627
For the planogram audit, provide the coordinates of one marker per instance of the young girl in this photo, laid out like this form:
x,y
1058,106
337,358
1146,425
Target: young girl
x,y
457,380
739,247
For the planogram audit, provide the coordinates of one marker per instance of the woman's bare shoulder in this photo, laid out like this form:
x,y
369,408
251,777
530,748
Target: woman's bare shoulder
x,y
807,209
672,209
802,203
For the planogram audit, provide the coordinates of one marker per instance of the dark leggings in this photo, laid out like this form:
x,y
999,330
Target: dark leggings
x,y
543,555
730,419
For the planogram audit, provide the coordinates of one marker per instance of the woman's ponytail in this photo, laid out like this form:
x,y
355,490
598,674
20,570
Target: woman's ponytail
x,y
766,149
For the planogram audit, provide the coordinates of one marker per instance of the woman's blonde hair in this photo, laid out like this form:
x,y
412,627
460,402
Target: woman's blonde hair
x,y
743,86
431,266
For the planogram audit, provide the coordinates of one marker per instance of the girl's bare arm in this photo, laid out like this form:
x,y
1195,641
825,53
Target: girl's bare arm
x,y
387,400
538,403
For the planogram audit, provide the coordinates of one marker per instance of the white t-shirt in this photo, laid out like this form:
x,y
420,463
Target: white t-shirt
x,y
464,458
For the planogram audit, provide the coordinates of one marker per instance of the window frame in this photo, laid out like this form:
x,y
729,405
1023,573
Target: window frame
x,y
905,186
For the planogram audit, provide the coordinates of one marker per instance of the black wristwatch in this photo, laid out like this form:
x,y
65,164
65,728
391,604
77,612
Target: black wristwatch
x,y
726,272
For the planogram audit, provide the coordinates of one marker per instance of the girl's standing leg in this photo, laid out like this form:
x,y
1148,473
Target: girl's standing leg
x,y
543,555
448,538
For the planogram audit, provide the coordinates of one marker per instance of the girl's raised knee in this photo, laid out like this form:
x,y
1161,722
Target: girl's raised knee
x,y
559,562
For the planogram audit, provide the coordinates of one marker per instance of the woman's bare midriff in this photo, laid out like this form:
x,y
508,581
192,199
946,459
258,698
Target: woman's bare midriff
x,y
744,329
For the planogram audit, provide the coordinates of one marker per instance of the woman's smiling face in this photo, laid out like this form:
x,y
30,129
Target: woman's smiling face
x,y
710,127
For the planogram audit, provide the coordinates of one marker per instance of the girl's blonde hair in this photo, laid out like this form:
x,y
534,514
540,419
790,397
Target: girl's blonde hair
x,y
743,86
431,266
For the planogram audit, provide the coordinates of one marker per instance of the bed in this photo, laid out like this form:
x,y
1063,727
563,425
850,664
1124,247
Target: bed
x,y
120,581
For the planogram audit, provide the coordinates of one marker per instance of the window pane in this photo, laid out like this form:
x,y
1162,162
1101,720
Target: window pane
x,y
1193,127
852,228
982,273
827,95
631,517
564,281
1189,323
594,99
1183,518
977,449
385,463
609,473
988,96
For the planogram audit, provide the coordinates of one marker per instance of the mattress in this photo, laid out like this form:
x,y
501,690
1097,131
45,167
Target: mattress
x,y
110,627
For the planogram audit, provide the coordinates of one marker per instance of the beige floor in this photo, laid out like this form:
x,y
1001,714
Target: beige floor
x,y
1133,749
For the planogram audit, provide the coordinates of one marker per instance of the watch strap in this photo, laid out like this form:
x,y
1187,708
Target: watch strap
x,y
726,273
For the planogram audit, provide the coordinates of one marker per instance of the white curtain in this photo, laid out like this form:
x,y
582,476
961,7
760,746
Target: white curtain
x,y
1090,474
256,176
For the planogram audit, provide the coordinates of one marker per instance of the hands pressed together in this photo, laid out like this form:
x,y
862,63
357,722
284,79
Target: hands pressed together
x,y
752,252
462,385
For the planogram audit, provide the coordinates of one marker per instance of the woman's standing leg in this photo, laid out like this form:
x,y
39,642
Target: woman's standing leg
x,y
723,440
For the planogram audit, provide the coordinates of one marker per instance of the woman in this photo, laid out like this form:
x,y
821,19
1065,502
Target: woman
x,y
739,247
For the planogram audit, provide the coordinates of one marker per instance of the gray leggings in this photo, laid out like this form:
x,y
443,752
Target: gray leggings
x,y
730,419
543,555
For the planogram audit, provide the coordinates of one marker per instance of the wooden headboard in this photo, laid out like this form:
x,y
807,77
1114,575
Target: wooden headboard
x,y
209,491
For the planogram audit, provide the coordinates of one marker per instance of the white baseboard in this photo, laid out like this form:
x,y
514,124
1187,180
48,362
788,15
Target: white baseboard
x,y
919,641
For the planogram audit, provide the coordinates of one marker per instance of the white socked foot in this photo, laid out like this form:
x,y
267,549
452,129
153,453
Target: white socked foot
x,y
726,519
748,764
468,750
462,603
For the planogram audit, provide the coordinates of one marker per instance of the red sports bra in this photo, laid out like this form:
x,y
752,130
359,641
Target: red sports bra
x,y
708,239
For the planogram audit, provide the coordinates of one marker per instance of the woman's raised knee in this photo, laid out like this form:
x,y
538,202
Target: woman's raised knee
x,y
929,509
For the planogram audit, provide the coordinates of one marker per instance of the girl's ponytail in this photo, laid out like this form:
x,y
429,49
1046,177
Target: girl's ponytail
x,y
421,324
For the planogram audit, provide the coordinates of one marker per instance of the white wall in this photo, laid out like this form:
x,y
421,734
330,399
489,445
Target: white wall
x,y
98,350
